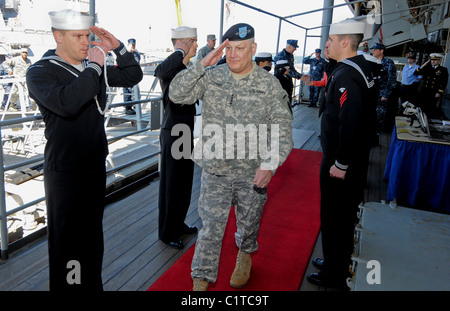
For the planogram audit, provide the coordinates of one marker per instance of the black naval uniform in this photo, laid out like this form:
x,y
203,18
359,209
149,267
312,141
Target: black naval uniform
x,y
75,153
347,130
176,175
434,81
285,81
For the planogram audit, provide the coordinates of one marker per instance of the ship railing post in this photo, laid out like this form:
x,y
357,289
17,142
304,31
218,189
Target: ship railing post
x,y
137,96
3,215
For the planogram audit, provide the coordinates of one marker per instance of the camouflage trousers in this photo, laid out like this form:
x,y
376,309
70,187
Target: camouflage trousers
x,y
381,115
217,195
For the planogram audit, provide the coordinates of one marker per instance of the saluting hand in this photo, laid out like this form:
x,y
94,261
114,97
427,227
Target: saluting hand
x,y
107,41
183,44
213,57
426,63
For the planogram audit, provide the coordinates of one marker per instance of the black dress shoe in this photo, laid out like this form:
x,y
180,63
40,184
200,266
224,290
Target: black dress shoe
x,y
176,244
316,279
189,230
318,263
129,111
319,280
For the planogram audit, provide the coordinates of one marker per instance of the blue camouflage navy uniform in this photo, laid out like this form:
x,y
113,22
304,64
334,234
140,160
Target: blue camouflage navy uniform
x,y
317,68
388,83
290,58
128,91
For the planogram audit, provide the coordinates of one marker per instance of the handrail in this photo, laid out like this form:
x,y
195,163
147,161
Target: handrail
x,y
4,213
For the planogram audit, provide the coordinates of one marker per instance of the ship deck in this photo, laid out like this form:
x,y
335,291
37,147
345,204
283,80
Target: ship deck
x,y
134,258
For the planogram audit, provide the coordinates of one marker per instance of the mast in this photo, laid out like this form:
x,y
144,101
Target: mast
x,y
327,18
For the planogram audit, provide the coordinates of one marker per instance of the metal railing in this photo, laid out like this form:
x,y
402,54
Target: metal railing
x,y
155,102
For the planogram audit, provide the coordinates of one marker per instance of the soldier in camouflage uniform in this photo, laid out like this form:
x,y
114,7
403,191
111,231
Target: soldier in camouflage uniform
x,y
388,83
317,68
211,43
17,66
238,93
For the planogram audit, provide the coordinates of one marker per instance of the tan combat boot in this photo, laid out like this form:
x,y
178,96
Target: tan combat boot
x,y
200,285
241,273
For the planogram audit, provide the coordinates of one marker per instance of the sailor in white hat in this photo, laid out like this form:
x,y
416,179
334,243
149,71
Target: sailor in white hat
x,y
344,37
71,94
176,173
264,60
75,46
347,132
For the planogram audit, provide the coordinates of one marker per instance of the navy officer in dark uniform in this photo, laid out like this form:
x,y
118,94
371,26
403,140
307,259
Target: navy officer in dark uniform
x,y
347,130
128,92
317,68
176,171
70,91
435,78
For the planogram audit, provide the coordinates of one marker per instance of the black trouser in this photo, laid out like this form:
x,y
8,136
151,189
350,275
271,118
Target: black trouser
x,y
430,105
75,204
409,93
175,188
338,209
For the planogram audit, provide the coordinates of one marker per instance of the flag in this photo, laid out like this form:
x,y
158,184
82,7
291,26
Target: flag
x,y
179,17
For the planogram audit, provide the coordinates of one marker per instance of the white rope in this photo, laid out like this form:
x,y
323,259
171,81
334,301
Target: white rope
x,y
108,102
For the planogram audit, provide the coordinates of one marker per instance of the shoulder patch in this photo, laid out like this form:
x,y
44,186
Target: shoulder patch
x,y
343,97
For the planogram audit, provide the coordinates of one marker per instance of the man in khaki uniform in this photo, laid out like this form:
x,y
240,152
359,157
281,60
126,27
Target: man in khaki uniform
x,y
17,66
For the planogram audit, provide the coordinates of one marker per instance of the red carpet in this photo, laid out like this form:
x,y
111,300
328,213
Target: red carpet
x,y
289,228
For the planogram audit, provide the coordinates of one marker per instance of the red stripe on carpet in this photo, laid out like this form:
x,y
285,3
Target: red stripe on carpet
x,y
289,228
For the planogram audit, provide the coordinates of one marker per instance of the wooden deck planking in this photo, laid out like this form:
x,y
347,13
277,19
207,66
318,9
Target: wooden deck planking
x,y
134,257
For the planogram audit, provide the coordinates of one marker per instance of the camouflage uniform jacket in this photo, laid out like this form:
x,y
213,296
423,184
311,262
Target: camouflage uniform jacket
x,y
388,80
317,67
203,52
20,66
255,100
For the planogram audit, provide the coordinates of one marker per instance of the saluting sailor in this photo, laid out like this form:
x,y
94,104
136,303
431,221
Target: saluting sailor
x,y
435,78
70,91
238,93
317,68
176,173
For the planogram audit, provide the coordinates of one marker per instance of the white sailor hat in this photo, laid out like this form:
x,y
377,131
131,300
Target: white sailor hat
x,y
184,32
347,27
263,56
70,20
281,63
